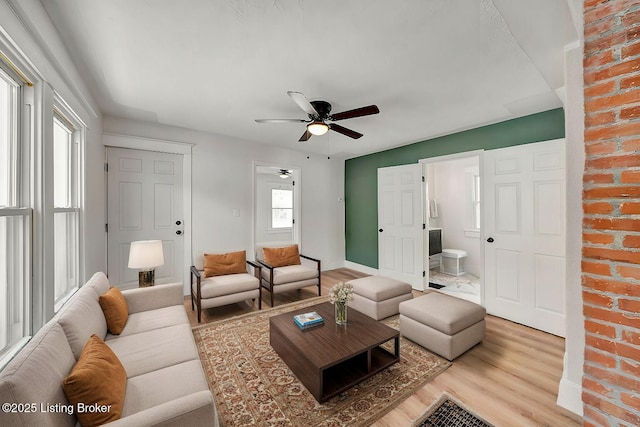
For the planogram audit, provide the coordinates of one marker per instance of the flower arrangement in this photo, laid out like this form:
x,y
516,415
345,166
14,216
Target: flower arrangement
x,y
341,293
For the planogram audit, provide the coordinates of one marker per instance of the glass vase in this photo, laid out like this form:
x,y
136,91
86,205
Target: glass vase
x,y
341,312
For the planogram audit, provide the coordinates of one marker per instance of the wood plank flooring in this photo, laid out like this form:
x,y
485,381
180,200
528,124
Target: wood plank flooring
x,y
510,379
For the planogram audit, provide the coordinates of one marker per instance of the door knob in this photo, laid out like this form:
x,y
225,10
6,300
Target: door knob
x,y
490,240
178,222
381,230
179,232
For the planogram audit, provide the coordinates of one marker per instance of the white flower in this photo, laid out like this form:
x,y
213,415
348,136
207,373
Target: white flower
x,y
341,292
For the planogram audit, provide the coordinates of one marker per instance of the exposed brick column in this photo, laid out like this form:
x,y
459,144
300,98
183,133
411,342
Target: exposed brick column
x,y
611,203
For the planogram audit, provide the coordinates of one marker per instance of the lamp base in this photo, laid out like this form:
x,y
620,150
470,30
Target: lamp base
x,y
146,278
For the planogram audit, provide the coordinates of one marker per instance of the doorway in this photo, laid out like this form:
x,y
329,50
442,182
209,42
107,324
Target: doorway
x,y
276,204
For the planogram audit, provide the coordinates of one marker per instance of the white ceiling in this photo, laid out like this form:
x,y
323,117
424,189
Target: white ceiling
x,y
433,67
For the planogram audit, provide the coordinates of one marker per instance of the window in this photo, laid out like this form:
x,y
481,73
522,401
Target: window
x,y
66,209
472,191
281,208
15,220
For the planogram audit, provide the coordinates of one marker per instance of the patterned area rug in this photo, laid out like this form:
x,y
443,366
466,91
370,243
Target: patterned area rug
x,y
448,412
253,386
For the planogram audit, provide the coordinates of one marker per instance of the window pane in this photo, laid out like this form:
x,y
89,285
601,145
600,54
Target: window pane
x,y
281,198
13,280
62,157
66,253
8,117
281,218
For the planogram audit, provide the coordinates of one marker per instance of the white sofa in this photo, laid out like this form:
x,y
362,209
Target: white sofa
x,y
165,386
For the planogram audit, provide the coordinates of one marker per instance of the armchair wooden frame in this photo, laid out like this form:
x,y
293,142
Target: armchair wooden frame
x,y
270,284
196,291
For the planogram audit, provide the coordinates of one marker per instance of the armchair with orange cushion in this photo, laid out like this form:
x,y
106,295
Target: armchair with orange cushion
x,y
284,270
224,280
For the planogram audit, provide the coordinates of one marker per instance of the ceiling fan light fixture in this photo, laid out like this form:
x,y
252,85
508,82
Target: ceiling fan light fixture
x,y
318,128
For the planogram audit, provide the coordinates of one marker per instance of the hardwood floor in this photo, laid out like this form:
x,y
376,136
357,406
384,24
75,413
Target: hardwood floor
x,y
510,379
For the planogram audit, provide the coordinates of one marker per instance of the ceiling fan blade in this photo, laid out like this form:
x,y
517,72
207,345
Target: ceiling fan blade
x,y
281,120
305,136
343,130
303,103
358,112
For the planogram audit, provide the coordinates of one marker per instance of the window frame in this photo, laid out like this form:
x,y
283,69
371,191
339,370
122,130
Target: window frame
x,y
286,187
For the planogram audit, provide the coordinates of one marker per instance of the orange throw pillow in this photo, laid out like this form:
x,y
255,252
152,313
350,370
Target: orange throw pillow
x,y
115,310
279,257
223,264
96,385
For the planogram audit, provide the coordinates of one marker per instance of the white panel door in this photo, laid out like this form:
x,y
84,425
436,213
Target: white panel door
x,y
144,201
524,223
400,224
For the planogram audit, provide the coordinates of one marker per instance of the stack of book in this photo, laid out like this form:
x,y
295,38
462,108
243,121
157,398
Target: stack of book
x,y
308,320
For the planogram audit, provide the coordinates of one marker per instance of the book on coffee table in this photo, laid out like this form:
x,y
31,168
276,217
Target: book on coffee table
x,y
308,320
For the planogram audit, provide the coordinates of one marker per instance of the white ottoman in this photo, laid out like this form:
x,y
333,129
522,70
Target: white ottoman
x,y
379,297
443,324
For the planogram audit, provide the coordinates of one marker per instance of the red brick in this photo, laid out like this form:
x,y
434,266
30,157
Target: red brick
x,y
611,254
632,50
596,268
631,145
623,224
600,329
588,4
631,400
617,192
631,337
613,162
593,120
597,299
630,176
599,89
630,272
598,238
599,178
604,359
593,29
630,113
605,10
610,408
629,82
607,102
616,70
596,387
598,44
631,18
599,419
612,377
631,241
604,147
611,316
629,305
630,208
597,208
632,368
610,285
598,59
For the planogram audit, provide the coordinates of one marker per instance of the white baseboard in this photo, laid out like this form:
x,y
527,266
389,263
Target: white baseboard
x,y
570,396
361,268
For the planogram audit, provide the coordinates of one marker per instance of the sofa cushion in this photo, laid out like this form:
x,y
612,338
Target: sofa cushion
x,y
115,310
97,379
290,273
159,318
222,264
379,288
212,287
35,374
82,317
153,350
281,256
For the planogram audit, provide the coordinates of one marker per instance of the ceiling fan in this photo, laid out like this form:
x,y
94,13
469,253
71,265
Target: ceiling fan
x,y
319,113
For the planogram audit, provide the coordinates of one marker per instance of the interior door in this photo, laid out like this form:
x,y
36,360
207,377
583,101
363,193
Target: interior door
x,y
144,202
400,230
525,234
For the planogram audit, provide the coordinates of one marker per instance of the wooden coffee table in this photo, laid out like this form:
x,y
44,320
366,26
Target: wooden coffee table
x,y
329,359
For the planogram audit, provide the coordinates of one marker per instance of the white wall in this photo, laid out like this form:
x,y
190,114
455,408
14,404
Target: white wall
x,y
449,192
223,182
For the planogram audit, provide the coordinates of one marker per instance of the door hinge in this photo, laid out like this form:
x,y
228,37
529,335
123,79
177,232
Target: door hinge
x,y
424,226
106,167
106,228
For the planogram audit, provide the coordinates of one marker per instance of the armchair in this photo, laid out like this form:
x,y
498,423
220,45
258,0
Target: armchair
x,y
224,280
284,271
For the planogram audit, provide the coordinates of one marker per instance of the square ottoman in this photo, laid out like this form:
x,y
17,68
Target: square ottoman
x,y
443,324
379,297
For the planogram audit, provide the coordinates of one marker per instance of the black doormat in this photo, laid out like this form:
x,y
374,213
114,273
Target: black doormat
x,y
435,285
446,412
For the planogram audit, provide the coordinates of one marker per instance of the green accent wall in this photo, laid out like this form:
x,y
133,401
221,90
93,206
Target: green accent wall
x,y
361,173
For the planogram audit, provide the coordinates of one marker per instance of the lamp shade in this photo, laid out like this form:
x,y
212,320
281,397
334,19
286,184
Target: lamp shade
x,y
146,254
317,128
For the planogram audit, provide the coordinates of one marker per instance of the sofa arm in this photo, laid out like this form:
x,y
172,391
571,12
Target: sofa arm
x,y
153,297
197,409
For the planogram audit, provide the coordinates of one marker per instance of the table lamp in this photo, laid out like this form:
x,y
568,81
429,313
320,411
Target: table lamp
x,y
146,255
